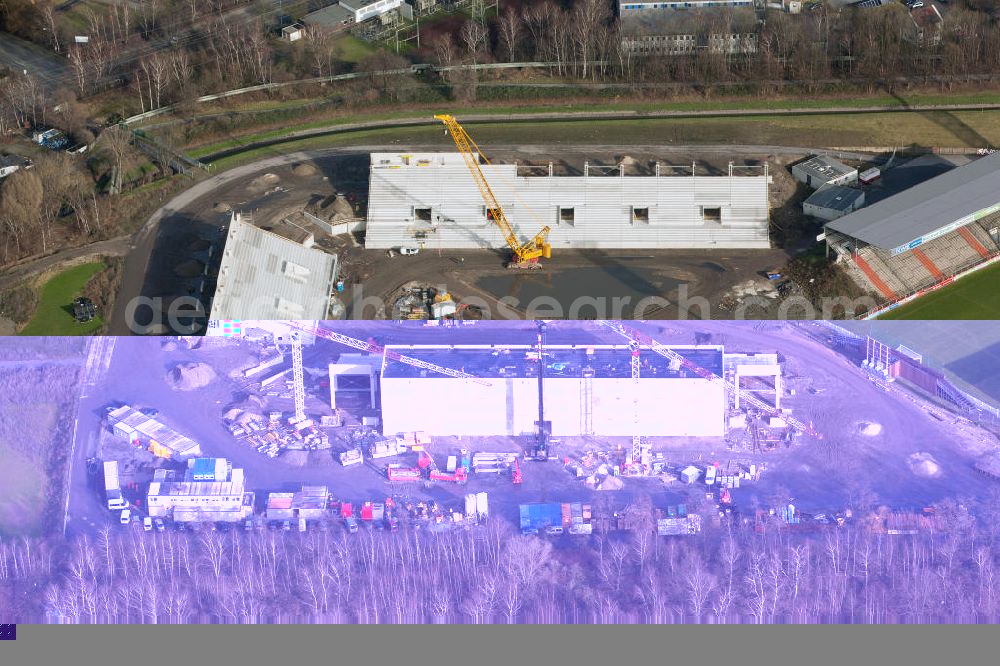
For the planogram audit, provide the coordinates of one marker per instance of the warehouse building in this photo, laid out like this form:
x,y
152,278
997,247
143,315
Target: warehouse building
x,y
213,500
587,391
833,201
925,234
820,170
265,276
431,200
152,435
310,503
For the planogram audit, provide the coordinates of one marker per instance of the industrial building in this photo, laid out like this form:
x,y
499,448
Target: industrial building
x,y
587,390
925,234
431,200
310,503
265,276
220,499
833,201
820,170
149,433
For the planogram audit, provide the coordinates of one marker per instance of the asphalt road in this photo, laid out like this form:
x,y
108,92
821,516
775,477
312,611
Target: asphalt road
x,y
50,69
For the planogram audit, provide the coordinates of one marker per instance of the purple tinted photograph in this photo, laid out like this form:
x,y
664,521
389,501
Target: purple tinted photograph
x,y
504,472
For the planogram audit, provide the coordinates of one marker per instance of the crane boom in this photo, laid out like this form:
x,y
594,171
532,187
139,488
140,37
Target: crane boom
x,y
523,252
379,349
298,380
641,338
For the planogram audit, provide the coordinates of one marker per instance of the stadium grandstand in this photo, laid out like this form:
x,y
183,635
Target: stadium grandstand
x,y
923,236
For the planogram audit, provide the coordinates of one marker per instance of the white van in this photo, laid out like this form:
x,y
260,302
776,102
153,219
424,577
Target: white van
x,y
408,250
302,524
710,475
126,516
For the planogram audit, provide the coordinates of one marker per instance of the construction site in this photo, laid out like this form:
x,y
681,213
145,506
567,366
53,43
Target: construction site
x,y
708,420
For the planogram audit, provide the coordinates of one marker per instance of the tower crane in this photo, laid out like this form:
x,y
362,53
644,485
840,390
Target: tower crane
x,y
525,254
374,348
298,377
639,449
638,337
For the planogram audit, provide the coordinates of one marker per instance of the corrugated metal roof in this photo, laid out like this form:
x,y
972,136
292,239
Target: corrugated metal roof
x,y
924,209
265,276
603,216
835,197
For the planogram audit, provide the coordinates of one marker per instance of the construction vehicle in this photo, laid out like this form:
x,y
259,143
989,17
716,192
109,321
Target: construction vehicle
x,y
460,475
112,487
542,429
525,255
374,348
745,396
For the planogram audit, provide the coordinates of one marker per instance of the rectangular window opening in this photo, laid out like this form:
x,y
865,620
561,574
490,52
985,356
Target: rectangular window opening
x,y
640,215
422,214
567,215
712,214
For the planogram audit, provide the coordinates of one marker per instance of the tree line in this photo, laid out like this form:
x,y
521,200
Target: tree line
x,y
491,574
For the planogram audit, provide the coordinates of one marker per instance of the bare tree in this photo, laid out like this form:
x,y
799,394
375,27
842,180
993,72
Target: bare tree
x,y
510,25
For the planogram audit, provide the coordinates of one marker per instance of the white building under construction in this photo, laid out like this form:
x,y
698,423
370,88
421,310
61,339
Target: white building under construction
x,y
431,200
587,390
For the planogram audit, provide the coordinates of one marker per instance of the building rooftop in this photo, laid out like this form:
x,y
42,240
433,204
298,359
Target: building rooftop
x,y
949,200
329,17
520,361
835,197
153,429
821,166
265,276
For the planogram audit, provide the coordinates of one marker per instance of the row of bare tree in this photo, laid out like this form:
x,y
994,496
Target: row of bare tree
x,y
492,575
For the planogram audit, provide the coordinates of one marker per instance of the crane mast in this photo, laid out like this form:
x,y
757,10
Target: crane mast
x,y
378,349
298,377
641,338
524,253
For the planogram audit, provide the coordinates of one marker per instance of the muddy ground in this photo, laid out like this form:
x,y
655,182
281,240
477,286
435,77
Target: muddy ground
x,y
918,453
724,278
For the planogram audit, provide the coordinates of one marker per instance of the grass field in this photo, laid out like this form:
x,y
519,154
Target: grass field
x,y
54,315
351,49
958,129
974,297
23,479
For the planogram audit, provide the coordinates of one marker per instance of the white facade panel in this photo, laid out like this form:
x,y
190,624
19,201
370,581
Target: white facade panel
x,y
431,200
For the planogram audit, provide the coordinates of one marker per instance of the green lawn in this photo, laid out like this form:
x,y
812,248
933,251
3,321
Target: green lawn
x,y
54,315
974,297
352,49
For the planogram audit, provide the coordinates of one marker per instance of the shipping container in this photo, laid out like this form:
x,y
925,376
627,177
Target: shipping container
x,y
400,473
470,505
366,511
482,505
452,463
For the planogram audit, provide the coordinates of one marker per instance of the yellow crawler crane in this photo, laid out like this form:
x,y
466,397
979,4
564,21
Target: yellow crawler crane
x,y
526,255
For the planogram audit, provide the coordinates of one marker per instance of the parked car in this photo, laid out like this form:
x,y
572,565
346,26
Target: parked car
x,y
126,517
352,524
160,527
408,250
248,526
286,526
147,524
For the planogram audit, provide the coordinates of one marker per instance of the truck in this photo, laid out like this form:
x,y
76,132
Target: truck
x,y
710,475
458,476
378,515
112,487
399,473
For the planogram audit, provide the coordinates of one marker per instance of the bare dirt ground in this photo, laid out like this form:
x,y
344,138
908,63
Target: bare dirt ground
x,y
723,277
853,465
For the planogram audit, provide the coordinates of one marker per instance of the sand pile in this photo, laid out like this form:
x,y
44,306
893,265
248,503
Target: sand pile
x,y
190,376
611,483
869,429
261,183
342,208
304,170
222,207
924,464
